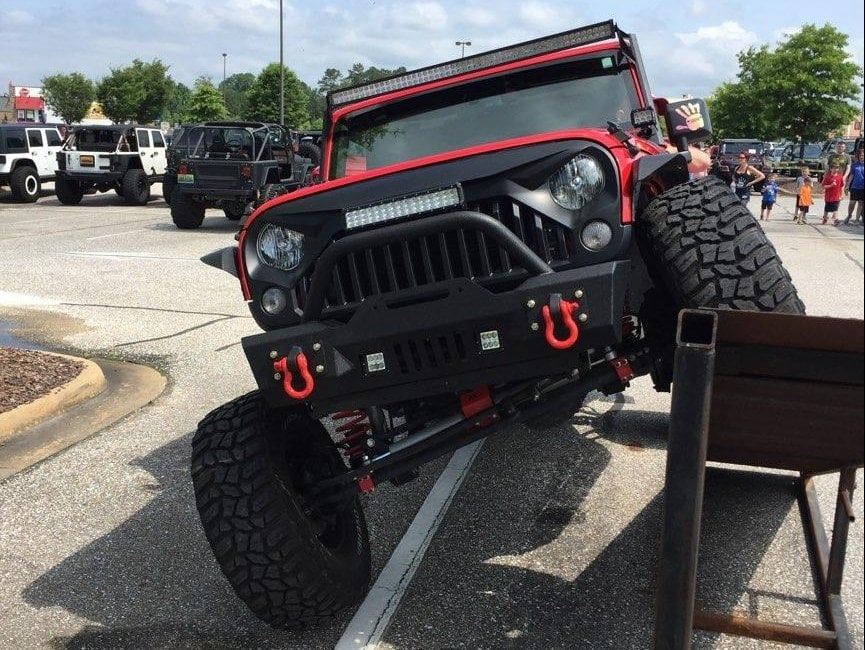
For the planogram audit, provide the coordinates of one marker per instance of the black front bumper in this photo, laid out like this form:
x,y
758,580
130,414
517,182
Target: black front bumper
x,y
442,341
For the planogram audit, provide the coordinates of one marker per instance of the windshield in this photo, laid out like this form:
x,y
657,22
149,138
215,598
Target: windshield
x,y
576,94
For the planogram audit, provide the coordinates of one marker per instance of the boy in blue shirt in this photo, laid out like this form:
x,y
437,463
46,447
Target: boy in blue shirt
x,y
770,194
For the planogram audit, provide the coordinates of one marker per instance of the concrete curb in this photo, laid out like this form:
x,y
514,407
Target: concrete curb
x,y
129,387
89,383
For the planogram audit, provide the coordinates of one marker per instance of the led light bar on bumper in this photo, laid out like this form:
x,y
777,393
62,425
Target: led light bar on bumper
x,y
590,34
408,206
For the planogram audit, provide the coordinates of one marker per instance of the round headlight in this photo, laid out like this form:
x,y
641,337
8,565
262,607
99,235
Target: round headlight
x,y
577,183
280,247
596,235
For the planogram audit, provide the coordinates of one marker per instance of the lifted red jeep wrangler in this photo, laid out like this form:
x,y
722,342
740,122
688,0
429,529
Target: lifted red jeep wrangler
x,y
493,238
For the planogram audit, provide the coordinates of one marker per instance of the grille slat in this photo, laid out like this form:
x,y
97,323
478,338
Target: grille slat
x,y
355,277
428,270
445,256
409,265
372,274
393,282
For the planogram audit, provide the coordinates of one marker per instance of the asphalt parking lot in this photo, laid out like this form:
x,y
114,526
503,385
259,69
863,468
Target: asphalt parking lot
x,y
549,542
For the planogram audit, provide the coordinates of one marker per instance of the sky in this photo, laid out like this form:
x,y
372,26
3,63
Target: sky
x,y
688,46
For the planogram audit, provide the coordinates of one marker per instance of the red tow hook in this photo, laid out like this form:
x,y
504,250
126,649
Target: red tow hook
x,y
563,309
295,362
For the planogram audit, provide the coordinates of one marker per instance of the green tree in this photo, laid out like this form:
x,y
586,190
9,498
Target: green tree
x,y
205,103
805,88
138,92
235,89
177,103
263,98
69,95
333,79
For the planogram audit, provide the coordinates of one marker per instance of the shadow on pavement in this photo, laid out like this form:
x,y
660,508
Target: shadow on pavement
x,y
152,582
524,575
492,578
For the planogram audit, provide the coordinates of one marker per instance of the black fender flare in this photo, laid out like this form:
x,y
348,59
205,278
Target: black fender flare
x,y
654,175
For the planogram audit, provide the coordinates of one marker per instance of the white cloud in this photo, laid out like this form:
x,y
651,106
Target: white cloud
x,y
545,18
426,16
16,18
479,17
699,7
729,34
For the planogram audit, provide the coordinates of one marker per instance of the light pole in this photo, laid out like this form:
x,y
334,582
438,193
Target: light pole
x,y
224,57
281,73
463,44
862,121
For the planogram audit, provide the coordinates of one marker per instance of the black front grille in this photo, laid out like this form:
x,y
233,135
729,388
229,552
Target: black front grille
x,y
464,253
419,355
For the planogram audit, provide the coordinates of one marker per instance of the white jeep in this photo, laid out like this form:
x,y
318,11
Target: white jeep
x,y
28,156
122,157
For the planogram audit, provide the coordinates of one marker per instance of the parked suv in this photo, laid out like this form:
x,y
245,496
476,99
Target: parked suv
x,y
28,156
489,244
124,158
232,165
725,157
796,155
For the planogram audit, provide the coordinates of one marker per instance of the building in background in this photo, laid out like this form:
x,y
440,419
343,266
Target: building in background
x,y
7,109
29,106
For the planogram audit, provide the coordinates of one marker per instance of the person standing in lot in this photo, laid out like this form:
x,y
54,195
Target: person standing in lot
x,y
800,181
744,177
840,159
855,187
770,195
833,182
804,201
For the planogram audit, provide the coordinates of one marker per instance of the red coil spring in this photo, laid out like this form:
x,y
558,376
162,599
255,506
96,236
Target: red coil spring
x,y
355,426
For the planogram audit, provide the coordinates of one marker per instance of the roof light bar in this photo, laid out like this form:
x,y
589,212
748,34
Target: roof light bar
x,y
590,34
408,206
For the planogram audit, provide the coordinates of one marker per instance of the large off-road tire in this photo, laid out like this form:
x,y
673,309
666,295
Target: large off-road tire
x,y
311,151
292,563
169,182
186,213
270,191
234,211
68,192
25,184
136,187
708,250
703,248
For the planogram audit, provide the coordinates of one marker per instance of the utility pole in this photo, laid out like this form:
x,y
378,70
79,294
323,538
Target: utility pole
x,y
281,73
224,56
463,45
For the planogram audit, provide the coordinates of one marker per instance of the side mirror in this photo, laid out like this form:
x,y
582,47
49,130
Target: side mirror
x,y
687,122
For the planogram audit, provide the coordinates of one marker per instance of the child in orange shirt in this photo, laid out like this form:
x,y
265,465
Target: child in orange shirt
x,y
805,200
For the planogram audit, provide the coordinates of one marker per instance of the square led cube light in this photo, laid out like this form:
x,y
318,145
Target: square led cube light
x,y
490,340
375,362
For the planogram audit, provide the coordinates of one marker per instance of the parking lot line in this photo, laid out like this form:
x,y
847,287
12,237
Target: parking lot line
x,y
371,619
115,234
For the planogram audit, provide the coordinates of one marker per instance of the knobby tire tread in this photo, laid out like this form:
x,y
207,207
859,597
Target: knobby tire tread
x,y
710,251
260,538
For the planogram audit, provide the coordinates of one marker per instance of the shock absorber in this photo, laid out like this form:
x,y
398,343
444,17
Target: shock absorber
x,y
355,429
